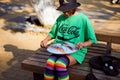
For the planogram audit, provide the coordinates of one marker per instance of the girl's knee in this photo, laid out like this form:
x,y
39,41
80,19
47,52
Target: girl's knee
x,y
62,63
50,64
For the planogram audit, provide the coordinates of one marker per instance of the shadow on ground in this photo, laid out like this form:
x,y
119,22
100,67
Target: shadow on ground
x,y
103,9
14,72
15,11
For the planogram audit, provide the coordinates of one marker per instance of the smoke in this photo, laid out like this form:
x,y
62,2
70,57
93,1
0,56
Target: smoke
x,y
46,11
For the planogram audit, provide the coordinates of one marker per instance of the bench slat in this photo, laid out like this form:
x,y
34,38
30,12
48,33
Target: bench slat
x,y
108,37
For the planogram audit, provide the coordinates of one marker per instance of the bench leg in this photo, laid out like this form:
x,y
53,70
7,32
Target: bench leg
x,y
108,48
37,76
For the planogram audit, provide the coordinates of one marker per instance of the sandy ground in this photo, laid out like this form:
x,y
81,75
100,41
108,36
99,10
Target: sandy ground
x,y
16,46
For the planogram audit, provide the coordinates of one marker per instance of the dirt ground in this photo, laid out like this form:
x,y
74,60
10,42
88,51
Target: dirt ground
x,y
15,46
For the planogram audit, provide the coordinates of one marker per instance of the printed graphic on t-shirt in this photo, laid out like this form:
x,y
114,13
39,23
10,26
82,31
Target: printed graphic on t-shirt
x,y
68,31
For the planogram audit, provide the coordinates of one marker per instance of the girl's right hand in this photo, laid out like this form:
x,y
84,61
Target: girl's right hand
x,y
43,43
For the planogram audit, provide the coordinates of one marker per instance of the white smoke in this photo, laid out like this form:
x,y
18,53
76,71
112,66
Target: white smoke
x,y
46,11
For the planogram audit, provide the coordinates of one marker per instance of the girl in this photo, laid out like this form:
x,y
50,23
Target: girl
x,y
72,27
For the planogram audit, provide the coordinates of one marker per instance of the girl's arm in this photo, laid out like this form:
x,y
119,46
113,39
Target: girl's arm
x,y
45,41
83,44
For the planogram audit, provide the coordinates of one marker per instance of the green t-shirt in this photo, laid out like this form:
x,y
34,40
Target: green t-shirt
x,y
73,29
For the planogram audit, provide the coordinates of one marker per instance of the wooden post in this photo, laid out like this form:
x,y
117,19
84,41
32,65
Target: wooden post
x,y
38,76
108,48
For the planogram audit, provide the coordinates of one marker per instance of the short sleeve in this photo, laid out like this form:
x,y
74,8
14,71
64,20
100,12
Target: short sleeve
x,y
53,31
89,31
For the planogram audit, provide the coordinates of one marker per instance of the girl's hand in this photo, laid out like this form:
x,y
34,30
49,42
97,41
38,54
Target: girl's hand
x,y
80,45
83,44
43,43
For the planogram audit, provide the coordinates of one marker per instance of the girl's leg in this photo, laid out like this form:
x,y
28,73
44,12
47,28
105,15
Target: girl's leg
x,y
50,68
72,60
61,68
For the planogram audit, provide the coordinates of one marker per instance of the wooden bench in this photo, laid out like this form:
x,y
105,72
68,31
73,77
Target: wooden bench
x,y
36,62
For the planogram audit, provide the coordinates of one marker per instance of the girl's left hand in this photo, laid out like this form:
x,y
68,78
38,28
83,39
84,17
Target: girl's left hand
x,y
80,45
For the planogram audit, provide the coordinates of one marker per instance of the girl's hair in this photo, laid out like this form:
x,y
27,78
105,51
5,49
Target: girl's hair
x,y
73,11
